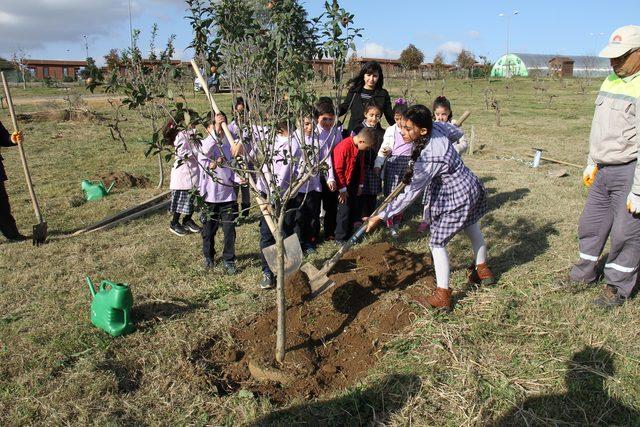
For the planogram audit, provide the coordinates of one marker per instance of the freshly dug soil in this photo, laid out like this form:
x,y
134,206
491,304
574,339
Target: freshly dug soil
x,y
59,116
332,340
125,180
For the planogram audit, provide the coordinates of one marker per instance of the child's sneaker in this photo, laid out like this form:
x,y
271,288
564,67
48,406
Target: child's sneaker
x,y
268,281
177,229
423,228
481,275
229,268
191,226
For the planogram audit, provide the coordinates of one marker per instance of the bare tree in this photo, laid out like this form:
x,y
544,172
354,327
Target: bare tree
x,y
439,65
19,59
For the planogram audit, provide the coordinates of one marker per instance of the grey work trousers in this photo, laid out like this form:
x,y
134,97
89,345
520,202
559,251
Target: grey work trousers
x,y
605,215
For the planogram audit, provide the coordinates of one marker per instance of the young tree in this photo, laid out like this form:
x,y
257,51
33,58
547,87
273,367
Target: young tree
x,y
411,58
439,66
466,61
19,59
91,73
267,48
112,59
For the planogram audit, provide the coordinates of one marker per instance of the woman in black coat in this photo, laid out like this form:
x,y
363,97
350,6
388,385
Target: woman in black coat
x,y
365,88
7,224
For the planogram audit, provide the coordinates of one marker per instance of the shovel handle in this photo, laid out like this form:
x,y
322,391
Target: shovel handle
x,y
360,232
236,147
23,157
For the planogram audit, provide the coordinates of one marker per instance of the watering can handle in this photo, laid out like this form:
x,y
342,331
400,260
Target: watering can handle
x,y
105,283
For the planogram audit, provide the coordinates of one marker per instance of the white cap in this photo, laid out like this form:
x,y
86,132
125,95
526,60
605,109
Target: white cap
x,y
622,41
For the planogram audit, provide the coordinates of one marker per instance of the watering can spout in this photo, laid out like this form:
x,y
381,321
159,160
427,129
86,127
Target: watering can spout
x,y
111,186
91,287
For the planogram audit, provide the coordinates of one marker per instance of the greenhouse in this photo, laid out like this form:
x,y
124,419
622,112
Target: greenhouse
x,y
530,64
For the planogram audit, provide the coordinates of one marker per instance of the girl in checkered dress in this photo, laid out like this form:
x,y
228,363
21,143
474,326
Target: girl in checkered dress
x,y
457,202
372,183
394,155
184,177
441,113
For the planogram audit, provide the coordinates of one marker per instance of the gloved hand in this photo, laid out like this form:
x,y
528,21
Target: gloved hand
x,y
633,203
17,138
589,175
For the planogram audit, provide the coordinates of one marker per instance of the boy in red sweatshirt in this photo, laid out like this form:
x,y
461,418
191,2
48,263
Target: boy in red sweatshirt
x,y
348,167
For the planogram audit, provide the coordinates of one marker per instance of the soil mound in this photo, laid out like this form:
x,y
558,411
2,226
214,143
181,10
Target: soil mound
x,y
332,340
65,115
125,180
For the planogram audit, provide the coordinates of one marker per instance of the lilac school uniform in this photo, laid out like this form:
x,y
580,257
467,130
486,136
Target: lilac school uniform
x,y
219,188
458,198
285,155
185,173
328,139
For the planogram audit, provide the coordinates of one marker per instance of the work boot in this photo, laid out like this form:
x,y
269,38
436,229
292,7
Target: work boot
x,y
481,275
439,298
609,298
229,268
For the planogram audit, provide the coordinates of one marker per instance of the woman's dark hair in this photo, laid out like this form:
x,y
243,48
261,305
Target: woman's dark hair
x,y
323,106
443,102
370,67
400,106
421,117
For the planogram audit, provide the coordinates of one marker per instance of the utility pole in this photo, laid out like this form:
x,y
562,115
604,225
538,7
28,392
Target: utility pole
x,y
86,45
130,26
508,16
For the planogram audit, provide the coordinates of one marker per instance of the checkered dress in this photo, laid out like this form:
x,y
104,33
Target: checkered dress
x,y
394,169
181,202
457,198
372,183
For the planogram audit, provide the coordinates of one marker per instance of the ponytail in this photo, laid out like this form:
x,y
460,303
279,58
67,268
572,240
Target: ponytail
x,y
421,117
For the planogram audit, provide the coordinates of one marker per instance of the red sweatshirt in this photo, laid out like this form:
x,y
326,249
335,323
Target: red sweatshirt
x,y
345,161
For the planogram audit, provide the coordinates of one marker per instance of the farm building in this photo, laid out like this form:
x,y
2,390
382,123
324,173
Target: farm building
x,y
390,67
56,69
531,64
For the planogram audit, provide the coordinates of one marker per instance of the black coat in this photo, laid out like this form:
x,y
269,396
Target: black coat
x,y
354,103
5,141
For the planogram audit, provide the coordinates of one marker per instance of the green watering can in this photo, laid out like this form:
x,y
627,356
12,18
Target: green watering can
x,y
95,190
111,308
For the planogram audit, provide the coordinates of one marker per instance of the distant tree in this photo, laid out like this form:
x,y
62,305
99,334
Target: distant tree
x,y
411,58
91,71
486,66
112,59
466,61
19,59
438,65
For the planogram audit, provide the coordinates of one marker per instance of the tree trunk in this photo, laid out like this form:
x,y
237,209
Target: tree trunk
x,y
282,303
24,81
161,171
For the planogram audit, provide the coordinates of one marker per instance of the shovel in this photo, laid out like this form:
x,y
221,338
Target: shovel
x,y
318,279
292,249
40,229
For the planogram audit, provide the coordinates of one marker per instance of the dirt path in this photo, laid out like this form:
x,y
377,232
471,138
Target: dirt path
x,y
89,98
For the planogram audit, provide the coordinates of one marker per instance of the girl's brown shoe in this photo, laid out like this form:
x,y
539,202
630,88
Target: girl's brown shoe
x,y
481,275
439,298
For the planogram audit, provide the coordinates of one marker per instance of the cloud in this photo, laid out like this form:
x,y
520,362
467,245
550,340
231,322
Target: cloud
x,y
36,23
450,48
375,50
473,34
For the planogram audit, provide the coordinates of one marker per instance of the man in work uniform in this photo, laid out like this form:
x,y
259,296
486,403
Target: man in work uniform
x,y
613,175
7,224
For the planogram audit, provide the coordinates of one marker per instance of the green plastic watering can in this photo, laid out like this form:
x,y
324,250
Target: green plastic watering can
x,y
111,307
95,190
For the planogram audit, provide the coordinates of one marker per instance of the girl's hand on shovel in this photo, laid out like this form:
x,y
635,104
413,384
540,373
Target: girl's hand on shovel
x,y
17,137
372,223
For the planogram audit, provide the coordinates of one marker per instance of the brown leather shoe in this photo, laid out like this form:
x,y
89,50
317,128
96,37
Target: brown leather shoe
x,y
481,275
439,298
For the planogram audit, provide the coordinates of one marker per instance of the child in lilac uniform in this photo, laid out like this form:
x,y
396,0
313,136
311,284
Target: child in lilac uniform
x,y
286,155
185,175
216,187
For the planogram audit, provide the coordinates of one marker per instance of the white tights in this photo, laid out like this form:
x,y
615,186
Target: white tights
x,y
441,258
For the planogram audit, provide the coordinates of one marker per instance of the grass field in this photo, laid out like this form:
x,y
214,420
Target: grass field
x,y
518,350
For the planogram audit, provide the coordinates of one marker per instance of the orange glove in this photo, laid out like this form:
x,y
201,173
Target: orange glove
x,y
17,137
589,175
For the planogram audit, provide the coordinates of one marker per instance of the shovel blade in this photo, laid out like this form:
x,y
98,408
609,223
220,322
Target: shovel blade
x,y
39,233
319,282
292,255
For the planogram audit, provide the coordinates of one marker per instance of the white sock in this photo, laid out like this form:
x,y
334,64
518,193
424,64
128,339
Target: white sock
x,y
477,242
425,213
441,265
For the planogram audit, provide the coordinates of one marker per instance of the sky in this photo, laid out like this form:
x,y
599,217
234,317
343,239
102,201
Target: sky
x,y
58,29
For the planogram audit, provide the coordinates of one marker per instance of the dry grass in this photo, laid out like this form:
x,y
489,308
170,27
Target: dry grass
x,y
506,351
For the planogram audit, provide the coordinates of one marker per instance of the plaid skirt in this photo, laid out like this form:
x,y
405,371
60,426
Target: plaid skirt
x,y
372,183
450,215
394,169
181,202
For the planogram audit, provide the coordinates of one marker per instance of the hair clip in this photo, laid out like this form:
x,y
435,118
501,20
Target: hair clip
x,y
400,101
